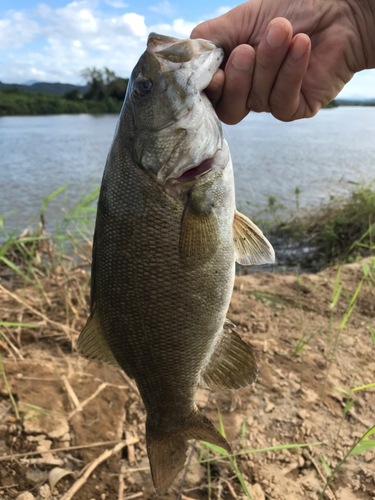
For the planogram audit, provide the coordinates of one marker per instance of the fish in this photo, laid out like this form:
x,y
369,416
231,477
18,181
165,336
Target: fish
x,y
166,240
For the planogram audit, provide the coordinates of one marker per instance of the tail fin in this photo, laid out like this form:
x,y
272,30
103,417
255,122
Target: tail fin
x,y
167,452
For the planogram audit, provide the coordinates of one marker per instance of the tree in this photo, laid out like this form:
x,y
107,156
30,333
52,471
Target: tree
x,y
104,83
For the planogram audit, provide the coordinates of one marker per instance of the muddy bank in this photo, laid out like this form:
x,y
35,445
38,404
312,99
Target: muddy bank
x,y
61,401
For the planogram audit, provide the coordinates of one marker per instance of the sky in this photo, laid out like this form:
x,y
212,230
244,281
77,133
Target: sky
x,y
54,41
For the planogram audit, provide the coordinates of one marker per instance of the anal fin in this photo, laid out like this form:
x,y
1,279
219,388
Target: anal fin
x,y
232,365
92,344
250,244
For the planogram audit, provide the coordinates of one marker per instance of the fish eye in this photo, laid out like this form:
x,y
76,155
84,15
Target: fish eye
x,y
142,87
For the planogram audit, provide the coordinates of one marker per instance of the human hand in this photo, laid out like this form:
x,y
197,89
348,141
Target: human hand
x,y
288,57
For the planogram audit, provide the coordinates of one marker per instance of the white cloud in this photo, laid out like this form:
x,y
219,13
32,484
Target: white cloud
x,y
68,39
164,8
117,4
74,37
179,28
136,23
16,30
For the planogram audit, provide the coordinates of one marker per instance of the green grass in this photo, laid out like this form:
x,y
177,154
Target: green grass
x,y
340,231
360,446
274,300
221,454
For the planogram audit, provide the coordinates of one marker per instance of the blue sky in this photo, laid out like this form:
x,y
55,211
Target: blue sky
x,y
55,40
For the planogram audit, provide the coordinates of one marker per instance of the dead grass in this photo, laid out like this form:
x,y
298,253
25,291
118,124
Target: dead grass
x,y
309,333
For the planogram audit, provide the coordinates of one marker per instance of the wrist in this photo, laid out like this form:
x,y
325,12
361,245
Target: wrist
x,y
363,14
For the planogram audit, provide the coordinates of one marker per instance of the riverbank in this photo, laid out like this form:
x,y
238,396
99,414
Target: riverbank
x,y
314,339
20,103
342,230
303,428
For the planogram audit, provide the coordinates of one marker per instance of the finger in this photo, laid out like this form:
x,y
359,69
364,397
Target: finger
x,y
232,106
269,58
215,89
286,100
225,29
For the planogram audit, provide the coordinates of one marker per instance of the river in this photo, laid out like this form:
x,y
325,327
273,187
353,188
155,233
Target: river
x,y
321,156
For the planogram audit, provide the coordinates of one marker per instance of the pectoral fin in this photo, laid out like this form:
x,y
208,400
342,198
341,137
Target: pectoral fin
x,y
199,232
251,246
92,344
232,364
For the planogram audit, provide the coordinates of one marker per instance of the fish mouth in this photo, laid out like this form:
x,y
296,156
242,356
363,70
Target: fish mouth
x,y
192,173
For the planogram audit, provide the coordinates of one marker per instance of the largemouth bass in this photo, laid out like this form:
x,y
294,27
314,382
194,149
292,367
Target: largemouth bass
x,y
166,241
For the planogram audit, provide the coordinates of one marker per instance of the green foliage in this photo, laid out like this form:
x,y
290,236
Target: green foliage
x,y
342,230
105,95
19,102
103,84
73,95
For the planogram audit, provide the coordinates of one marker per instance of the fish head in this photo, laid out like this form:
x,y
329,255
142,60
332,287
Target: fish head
x,y
176,132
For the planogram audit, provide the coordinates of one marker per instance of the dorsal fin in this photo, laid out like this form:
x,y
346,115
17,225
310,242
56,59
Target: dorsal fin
x,y
232,364
251,246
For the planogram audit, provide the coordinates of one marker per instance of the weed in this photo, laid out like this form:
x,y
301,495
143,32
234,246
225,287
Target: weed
x,y
325,466
8,390
274,300
304,340
332,346
372,333
363,444
340,231
297,192
222,454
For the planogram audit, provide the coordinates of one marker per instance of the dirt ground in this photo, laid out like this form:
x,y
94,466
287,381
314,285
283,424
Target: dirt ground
x,y
67,403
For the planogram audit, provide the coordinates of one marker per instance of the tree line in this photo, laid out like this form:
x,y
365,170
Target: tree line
x,y
105,94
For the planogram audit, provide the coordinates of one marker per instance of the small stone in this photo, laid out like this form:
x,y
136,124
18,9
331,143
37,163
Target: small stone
x,y
65,437
26,495
45,492
302,414
256,491
52,424
36,476
270,406
37,438
44,445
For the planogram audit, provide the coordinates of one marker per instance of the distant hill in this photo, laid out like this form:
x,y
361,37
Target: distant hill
x,y
355,101
48,88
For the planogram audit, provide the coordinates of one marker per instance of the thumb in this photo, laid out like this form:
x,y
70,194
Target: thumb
x,y
223,30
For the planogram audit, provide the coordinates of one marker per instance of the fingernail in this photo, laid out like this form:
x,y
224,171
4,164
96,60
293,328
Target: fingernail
x,y
298,50
276,35
241,61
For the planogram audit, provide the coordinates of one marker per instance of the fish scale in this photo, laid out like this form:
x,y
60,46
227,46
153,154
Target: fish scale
x,y
166,239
